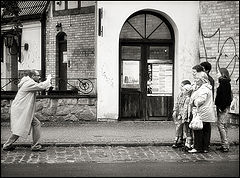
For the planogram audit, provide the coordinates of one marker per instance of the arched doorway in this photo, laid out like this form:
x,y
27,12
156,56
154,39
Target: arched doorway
x,y
146,67
62,61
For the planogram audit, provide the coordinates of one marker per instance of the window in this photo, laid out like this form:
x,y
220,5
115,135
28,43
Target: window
x,y
145,26
62,8
73,4
65,5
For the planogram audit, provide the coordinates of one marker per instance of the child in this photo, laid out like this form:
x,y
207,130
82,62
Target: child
x,y
181,116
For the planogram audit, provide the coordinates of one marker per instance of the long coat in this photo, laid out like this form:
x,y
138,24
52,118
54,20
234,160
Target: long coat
x,y
203,100
24,104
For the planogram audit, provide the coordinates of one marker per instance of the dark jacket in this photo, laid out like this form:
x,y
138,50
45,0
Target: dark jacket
x,y
224,94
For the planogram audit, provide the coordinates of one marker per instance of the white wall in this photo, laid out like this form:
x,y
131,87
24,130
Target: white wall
x,y
31,59
184,17
31,34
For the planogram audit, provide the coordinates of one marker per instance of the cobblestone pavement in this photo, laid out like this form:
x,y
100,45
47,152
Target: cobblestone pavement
x,y
108,154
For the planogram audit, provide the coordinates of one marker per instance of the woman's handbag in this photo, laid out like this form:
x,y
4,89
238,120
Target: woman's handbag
x,y
196,123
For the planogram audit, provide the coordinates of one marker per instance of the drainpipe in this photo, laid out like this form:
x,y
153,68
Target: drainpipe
x,y
43,48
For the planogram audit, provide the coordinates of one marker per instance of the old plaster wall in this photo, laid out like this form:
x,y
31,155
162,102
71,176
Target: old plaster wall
x,y
183,16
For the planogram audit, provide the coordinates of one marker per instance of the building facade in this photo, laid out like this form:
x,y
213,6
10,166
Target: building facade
x,y
125,60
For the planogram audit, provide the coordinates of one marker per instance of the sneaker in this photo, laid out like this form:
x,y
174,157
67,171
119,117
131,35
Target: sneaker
x,y
38,148
193,151
9,148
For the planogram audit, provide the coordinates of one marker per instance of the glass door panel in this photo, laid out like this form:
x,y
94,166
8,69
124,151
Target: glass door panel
x,y
131,53
159,79
159,83
130,67
160,72
131,78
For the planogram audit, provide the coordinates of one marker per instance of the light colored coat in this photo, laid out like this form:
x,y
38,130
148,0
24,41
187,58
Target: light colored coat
x,y
23,106
203,100
182,108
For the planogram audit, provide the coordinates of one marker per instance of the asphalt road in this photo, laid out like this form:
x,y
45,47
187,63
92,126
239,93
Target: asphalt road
x,y
124,169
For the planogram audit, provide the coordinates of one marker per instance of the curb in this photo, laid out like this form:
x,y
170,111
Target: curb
x,y
108,144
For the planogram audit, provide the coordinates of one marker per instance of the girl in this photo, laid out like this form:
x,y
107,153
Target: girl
x,y
223,101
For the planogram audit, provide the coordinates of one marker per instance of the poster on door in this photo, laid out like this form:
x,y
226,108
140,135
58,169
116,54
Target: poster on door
x,y
130,77
161,80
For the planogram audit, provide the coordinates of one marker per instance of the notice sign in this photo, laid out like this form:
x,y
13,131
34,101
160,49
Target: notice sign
x,y
130,74
161,84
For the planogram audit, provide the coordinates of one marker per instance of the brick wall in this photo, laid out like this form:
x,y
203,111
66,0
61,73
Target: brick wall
x,y
80,31
224,17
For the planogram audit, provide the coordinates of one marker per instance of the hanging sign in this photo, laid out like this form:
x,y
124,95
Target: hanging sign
x,y
65,57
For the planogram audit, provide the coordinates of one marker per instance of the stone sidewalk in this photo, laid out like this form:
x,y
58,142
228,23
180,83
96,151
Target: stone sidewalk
x,y
114,154
124,133
112,142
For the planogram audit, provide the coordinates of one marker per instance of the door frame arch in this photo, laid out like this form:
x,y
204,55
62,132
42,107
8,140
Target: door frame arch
x,y
147,42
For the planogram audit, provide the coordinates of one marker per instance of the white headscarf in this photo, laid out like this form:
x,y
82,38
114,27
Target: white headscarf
x,y
202,76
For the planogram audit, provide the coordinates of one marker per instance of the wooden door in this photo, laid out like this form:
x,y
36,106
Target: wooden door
x,y
146,82
62,65
159,82
131,85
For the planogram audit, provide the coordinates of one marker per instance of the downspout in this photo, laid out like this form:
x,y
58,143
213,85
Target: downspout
x,y
43,47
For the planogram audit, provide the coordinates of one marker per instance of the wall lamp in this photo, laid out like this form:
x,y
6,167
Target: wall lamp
x,y
9,42
12,40
59,26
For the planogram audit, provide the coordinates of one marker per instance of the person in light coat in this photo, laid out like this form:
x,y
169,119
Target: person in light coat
x,y
22,111
202,102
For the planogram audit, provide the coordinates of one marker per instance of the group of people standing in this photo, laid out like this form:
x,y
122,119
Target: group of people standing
x,y
197,98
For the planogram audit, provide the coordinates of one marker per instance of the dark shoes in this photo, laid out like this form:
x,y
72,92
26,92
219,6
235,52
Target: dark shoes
x,y
9,148
174,145
222,149
225,150
177,145
38,148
